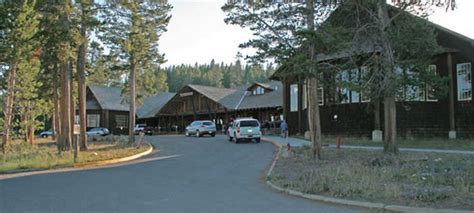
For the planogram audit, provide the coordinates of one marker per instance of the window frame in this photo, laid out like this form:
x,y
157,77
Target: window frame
x,y
469,81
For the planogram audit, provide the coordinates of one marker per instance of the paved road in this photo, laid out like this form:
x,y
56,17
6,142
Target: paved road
x,y
211,175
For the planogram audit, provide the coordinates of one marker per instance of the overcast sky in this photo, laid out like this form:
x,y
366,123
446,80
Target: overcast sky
x,y
197,32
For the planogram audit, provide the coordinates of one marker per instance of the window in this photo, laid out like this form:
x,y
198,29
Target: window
x,y
121,121
249,123
342,91
293,97
344,78
258,91
364,74
320,95
430,91
464,82
93,120
355,96
413,92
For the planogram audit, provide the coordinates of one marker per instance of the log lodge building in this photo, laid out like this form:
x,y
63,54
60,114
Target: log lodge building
x,y
285,98
423,114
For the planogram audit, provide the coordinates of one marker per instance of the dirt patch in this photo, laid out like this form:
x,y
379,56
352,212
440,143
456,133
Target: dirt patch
x,y
412,179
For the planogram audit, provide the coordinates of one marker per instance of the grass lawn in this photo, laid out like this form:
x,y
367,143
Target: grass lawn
x,y
44,154
430,143
413,179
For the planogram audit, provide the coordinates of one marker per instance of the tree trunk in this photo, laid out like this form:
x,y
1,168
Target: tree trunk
x,y
8,109
313,116
313,106
57,108
390,112
53,125
131,125
81,83
390,85
65,108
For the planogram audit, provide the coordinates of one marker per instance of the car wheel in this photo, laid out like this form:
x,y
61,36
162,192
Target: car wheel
x,y
230,138
257,140
198,134
44,136
213,134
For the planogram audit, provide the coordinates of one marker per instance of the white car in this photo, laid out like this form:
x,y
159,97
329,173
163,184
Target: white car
x,y
200,128
46,134
98,131
245,129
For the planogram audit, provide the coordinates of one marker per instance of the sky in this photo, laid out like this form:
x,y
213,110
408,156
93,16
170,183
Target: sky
x,y
197,32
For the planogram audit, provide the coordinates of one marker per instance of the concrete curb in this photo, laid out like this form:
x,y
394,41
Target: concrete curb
x,y
74,167
114,161
369,205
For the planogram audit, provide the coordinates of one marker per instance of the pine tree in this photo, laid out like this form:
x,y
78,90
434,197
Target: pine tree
x,y
87,21
132,30
17,45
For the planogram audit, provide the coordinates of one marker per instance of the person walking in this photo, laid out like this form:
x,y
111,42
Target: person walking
x,y
284,129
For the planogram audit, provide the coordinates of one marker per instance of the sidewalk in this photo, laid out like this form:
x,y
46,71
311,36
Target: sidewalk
x,y
295,142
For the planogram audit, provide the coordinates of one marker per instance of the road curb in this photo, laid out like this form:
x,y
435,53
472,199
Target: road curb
x,y
369,205
114,161
74,167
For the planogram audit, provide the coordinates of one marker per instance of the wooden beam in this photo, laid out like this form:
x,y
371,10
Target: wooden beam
x,y
452,123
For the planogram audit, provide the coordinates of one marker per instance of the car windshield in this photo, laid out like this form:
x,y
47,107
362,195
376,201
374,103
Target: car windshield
x,y
250,123
95,129
207,124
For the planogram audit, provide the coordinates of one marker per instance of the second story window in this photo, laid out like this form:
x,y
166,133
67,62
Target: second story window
x,y
258,91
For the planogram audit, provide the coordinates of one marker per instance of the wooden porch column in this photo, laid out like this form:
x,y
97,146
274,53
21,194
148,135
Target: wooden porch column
x,y
452,122
194,107
209,109
300,108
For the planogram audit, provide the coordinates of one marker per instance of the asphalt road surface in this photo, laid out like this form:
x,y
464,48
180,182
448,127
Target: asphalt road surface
x,y
209,175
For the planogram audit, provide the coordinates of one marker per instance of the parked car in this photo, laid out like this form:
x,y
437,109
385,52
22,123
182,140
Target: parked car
x,y
200,128
98,131
245,129
143,128
46,134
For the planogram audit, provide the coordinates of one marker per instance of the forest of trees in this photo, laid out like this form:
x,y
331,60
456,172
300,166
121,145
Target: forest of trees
x,y
50,51
217,75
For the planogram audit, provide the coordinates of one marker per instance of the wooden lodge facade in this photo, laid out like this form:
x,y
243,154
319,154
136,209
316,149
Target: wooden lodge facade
x,y
423,115
105,107
196,102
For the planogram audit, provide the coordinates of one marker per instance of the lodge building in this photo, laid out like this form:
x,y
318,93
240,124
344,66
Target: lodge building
x,y
419,112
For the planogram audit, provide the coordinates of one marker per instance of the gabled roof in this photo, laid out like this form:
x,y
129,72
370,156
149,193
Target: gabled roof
x,y
219,95
232,99
152,105
367,46
263,85
109,98
271,99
